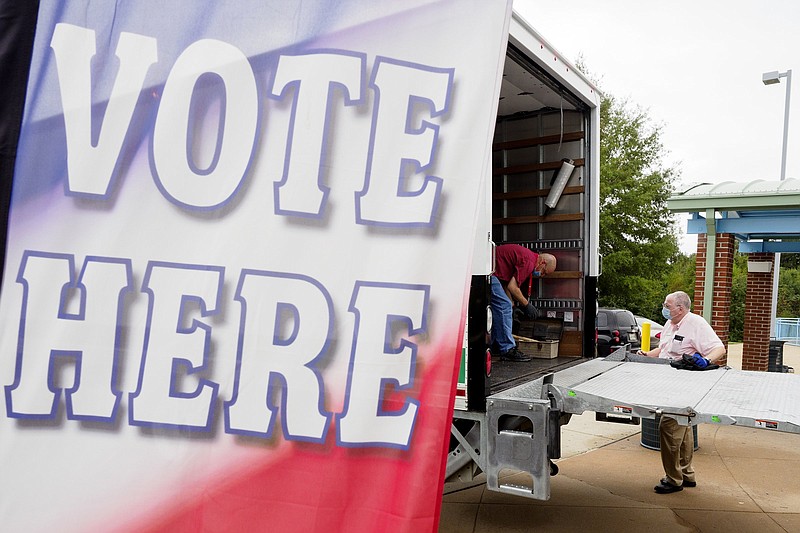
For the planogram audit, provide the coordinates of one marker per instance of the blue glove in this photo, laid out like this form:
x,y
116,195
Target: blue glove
x,y
699,360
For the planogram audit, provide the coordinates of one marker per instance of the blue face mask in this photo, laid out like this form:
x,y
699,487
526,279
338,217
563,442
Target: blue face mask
x,y
665,313
536,274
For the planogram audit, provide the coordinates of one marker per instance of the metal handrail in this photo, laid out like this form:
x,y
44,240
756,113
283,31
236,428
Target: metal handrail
x,y
788,329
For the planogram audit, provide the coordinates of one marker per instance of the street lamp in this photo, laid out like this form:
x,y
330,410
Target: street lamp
x,y
771,78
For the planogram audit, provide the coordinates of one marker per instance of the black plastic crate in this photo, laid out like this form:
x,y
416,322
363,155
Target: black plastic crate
x,y
547,329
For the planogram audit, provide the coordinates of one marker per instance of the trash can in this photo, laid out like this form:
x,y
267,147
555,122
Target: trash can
x,y
651,438
776,356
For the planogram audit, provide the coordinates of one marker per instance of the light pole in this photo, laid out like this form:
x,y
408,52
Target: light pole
x,y
770,78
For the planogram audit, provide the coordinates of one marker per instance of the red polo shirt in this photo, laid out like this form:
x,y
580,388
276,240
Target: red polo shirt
x,y
513,260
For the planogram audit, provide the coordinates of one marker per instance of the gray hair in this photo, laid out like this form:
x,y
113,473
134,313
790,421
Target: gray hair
x,y
682,299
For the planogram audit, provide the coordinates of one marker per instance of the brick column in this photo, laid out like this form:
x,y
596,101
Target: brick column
x,y
699,275
721,289
757,316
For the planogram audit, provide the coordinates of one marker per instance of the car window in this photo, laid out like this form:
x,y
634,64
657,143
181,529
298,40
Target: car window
x,y
625,319
602,320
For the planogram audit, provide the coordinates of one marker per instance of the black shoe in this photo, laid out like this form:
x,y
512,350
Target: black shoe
x,y
667,488
686,482
514,355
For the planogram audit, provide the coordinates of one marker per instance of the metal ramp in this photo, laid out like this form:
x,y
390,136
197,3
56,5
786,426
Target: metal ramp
x,y
644,389
766,400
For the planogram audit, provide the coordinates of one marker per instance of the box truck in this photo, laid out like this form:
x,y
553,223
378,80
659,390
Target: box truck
x,y
544,195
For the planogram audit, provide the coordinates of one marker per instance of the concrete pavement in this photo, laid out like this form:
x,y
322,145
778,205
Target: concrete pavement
x,y
748,480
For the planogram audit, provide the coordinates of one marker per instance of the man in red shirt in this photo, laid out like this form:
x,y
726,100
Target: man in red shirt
x,y
514,266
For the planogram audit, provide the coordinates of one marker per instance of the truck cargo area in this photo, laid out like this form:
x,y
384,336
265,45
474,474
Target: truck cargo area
x,y
542,340
541,122
506,374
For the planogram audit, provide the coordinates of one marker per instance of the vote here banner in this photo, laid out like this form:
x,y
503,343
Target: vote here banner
x,y
237,264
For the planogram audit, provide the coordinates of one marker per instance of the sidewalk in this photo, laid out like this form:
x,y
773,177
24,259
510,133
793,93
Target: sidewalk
x,y
748,480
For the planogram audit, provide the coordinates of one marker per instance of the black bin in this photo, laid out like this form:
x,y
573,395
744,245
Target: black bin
x,y
651,438
776,356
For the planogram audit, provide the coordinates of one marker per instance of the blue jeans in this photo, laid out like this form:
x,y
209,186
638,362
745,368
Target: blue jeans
x,y
502,317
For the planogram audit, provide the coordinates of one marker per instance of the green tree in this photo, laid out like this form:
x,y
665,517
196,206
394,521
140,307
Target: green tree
x,y
789,291
681,275
638,239
738,291
790,260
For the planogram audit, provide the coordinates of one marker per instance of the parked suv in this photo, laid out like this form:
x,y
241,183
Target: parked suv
x,y
615,328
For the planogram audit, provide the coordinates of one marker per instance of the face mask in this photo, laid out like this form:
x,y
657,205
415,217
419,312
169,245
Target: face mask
x,y
536,274
665,312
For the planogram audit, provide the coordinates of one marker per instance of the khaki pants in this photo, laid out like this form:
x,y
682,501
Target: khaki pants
x,y
677,448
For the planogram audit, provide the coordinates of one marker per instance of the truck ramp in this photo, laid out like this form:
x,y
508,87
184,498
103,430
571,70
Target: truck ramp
x,y
764,400
522,426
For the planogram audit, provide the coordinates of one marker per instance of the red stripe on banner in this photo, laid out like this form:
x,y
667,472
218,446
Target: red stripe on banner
x,y
332,488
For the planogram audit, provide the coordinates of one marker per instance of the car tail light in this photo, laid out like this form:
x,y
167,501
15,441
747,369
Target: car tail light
x,y
615,334
488,362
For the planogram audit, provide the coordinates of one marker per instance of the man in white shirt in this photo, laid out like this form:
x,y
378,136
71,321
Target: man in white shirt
x,y
684,333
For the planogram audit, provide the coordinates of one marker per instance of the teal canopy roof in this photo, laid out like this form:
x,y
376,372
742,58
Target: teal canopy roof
x,y
763,215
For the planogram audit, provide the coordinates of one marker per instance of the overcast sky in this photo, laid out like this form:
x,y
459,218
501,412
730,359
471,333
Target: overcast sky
x,y
696,67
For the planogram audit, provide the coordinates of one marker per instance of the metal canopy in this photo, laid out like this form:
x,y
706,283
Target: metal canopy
x,y
759,212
